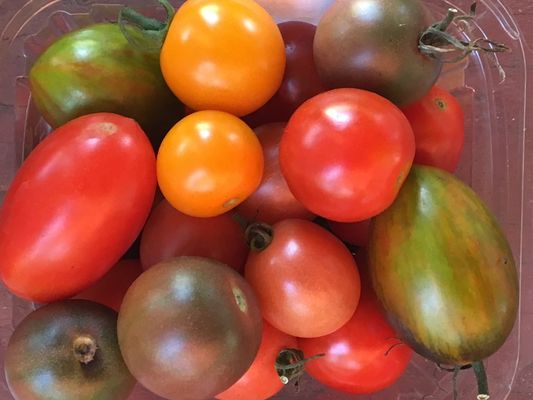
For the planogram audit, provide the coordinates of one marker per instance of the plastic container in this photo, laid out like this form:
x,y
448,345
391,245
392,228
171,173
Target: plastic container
x,y
492,90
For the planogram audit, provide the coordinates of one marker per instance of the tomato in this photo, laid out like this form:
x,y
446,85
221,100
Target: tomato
x,y
67,350
438,123
354,233
111,288
272,201
305,278
187,319
75,206
300,81
374,45
345,154
96,69
169,233
363,356
225,55
208,163
262,381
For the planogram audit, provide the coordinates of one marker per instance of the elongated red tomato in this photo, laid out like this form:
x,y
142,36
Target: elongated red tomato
x,y
169,233
75,206
306,280
262,381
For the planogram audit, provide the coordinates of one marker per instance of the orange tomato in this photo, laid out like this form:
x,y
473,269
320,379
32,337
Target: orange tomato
x,y
225,55
208,163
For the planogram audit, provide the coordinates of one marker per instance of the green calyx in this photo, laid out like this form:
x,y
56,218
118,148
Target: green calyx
x,y
144,32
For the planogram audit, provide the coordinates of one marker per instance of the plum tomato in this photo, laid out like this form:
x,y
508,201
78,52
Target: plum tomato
x,y
306,280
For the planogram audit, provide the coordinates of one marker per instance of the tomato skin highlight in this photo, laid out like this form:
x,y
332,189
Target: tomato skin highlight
x,y
345,154
75,206
205,74
306,280
261,381
438,123
169,233
208,163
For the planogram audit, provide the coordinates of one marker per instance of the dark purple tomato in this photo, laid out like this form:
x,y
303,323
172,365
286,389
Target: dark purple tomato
x,y
189,328
300,81
373,45
67,350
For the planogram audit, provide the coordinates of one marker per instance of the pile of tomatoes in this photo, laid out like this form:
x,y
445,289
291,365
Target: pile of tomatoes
x,y
248,220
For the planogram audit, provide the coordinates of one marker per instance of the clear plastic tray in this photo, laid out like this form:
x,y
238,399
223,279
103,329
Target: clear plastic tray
x,y
492,90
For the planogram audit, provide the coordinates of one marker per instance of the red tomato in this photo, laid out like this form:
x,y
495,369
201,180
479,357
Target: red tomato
x,y
345,154
261,381
300,81
439,126
361,357
75,206
306,280
111,288
354,233
272,201
169,233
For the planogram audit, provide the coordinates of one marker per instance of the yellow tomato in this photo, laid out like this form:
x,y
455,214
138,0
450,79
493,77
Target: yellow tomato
x,y
225,55
208,163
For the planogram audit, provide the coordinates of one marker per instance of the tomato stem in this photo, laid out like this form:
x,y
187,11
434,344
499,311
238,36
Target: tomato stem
x,y
482,383
259,236
290,364
84,348
437,43
151,31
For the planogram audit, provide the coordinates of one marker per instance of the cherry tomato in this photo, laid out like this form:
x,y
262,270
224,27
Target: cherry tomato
x,y
272,201
363,356
345,154
169,233
438,123
301,10
354,233
261,381
208,163
306,280
76,205
111,288
300,81
223,55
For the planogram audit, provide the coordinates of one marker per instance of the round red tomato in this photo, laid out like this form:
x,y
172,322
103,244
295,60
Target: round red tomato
x,y
363,356
345,154
438,123
272,201
76,205
354,233
111,288
169,233
223,55
300,81
262,381
306,280
208,163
